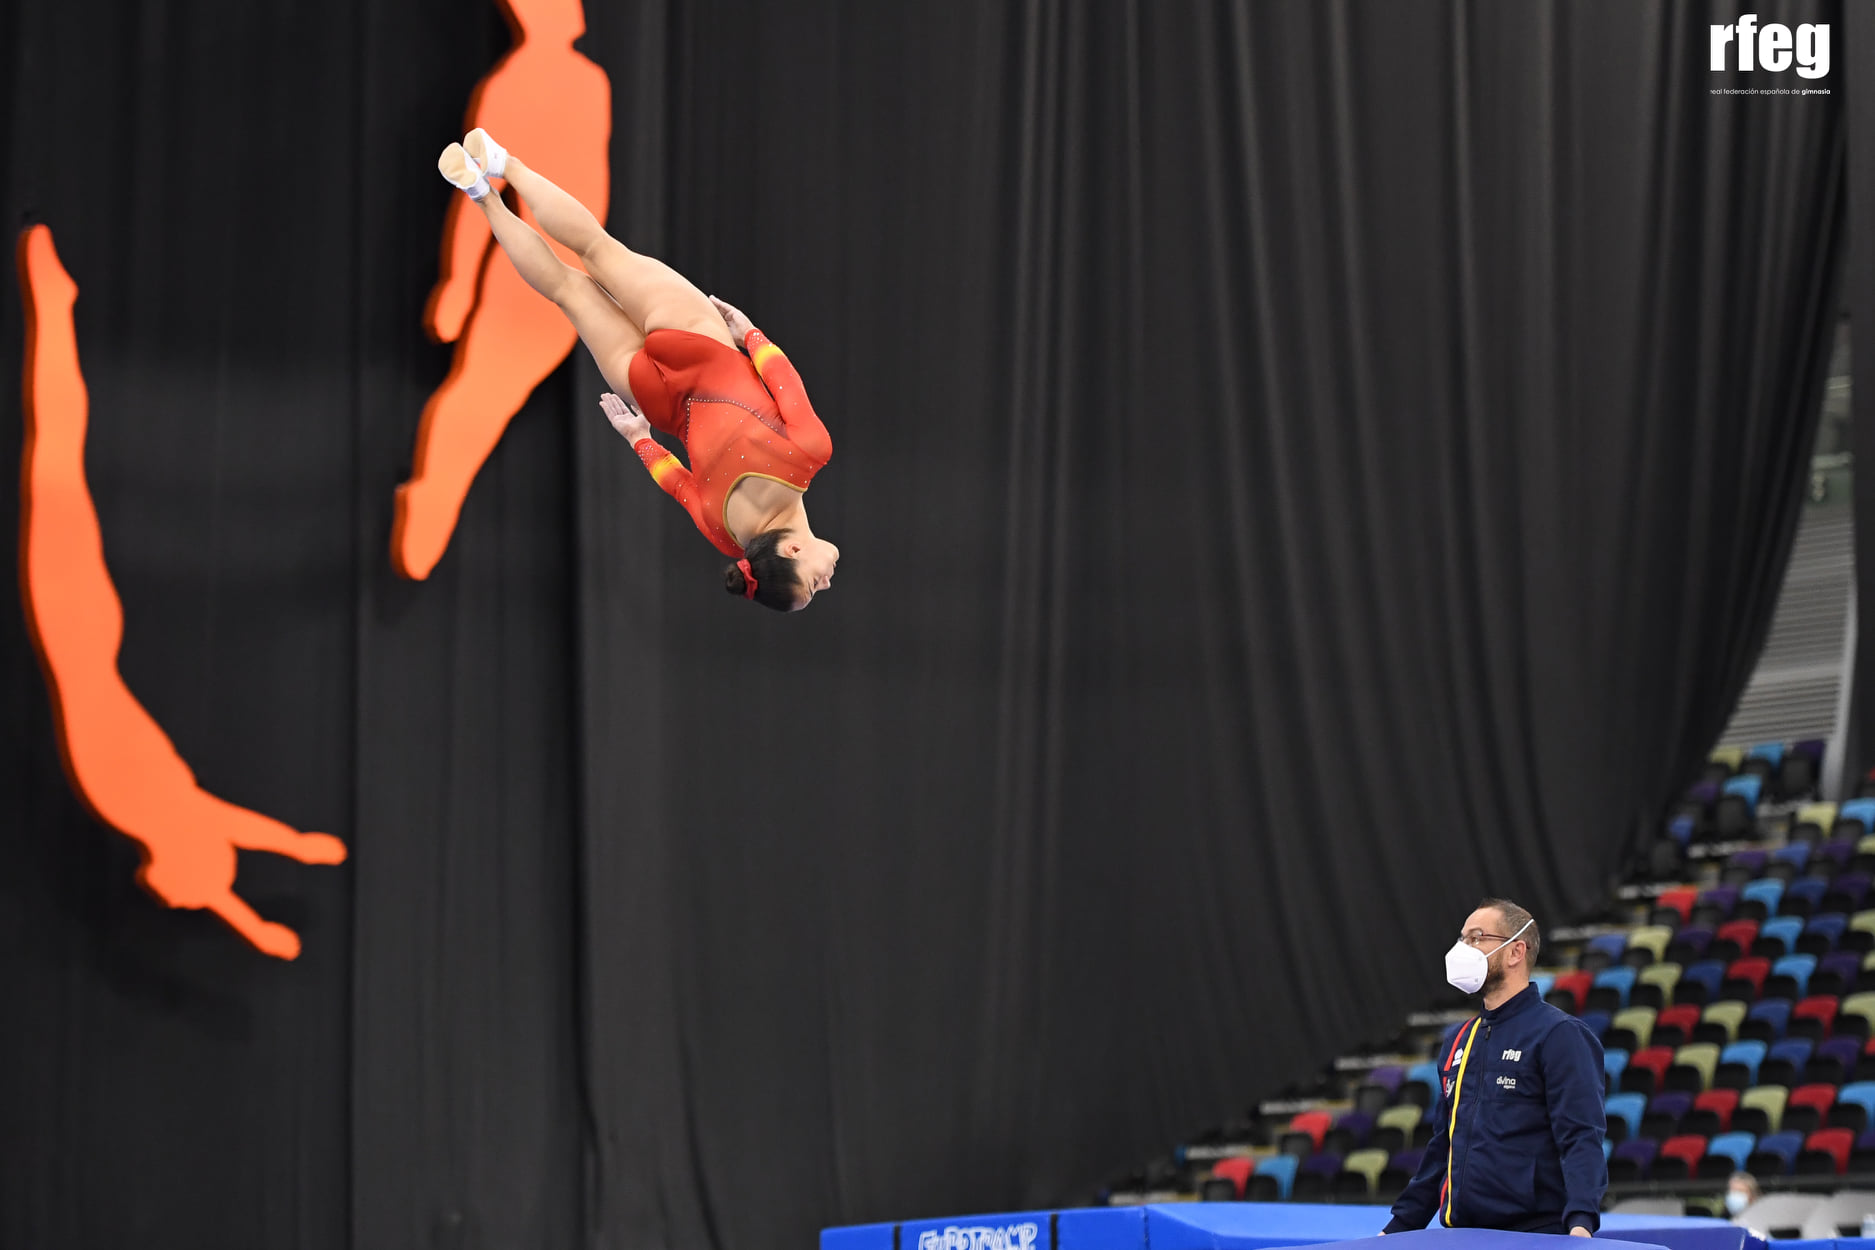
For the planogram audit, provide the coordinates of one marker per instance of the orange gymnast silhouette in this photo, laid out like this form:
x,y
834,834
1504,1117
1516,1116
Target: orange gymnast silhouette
x,y
549,101
119,760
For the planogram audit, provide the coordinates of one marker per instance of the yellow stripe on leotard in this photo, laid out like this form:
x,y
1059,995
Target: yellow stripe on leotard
x,y
662,469
765,353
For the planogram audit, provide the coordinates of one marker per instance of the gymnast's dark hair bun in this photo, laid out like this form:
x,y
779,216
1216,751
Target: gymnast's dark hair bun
x,y
777,585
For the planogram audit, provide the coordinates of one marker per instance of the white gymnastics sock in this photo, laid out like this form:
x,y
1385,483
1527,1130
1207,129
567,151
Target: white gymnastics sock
x,y
460,171
482,149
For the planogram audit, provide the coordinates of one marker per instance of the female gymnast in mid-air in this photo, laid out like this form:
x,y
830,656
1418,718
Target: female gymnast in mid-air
x,y
753,441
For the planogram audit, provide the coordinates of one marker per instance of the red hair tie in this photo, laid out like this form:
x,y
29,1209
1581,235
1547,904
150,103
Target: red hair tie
x,y
748,575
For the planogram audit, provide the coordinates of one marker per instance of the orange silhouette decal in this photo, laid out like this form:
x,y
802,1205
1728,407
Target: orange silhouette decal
x,y
549,101
119,760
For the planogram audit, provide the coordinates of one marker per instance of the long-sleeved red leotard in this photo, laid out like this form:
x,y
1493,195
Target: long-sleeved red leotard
x,y
738,416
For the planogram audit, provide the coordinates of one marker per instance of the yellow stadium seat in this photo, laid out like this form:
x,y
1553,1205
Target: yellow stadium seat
x,y
1369,1163
1665,975
1405,1117
1729,1014
1862,1005
1638,1019
1652,937
1769,1099
1823,815
1731,757
1702,1057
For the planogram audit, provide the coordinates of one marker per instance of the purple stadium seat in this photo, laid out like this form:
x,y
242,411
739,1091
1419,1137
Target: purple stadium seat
x,y
1845,964
1407,1161
1847,1049
1640,1152
1390,1077
1358,1126
1723,897
1839,853
1704,793
1750,861
1327,1163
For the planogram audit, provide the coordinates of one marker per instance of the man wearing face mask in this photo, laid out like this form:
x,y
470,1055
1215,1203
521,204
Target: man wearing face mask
x,y
1519,1122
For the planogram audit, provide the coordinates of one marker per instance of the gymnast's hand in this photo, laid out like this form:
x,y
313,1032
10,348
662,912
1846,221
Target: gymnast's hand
x,y
733,317
625,418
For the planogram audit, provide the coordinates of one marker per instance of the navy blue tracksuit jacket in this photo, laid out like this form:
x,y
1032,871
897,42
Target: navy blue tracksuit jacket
x,y
1527,1156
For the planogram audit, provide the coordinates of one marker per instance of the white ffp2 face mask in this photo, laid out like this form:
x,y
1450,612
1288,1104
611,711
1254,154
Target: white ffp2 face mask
x,y
1466,967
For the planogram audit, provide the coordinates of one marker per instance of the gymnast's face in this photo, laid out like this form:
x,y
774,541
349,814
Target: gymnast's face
x,y
814,562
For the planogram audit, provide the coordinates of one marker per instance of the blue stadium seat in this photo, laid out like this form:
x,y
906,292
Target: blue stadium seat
x,y
1597,1021
1862,1094
1608,1150
1283,1169
1829,926
1621,980
1782,1145
1774,1012
1707,972
1610,944
1786,929
1764,890
1614,1062
1749,1053
1810,889
1544,982
1797,855
1771,751
1629,1107
1745,786
1795,1051
1858,809
1798,968
1735,1146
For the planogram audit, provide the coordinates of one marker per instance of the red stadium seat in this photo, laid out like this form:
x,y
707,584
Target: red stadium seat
x,y
1314,1123
1680,900
1753,970
1578,984
1721,1102
1236,1171
1836,1142
1691,1149
1821,1008
1684,1017
1656,1059
1822,1097
1742,932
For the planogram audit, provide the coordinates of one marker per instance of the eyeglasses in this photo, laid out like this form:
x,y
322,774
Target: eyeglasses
x,y
1475,936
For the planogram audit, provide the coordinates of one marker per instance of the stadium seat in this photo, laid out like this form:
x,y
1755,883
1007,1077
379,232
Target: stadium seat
x,y
1763,1102
1597,1022
1421,1085
1812,1018
1544,982
1638,1021
1675,1026
1834,1061
1770,752
1646,1070
1847,893
1807,1109
1615,983
1745,786
1315,1178
1715,905
1795,854
1628,1109
1236,1171
1856,1007
1836,973
1718,1104
1778,937
1784,1064
1826,1152
1404,1118
1601,951
1689,945
1861,810
1282,1170
1654,987
1700,982
1733,940
1683,827
1680,900
1744,980
1761,897
1614,1063
1576,986
1776,1154
1401,1169
1647,945
1766,1021
1862,1158
1664,1113
1739,1063
1349,1134
1742,868
1693,1067
1366,1164
1736,1147
1686,1151
1822,815
1727,1015
1730,757
1821,934
1790,977
1855,1107
1802,898
1632,1160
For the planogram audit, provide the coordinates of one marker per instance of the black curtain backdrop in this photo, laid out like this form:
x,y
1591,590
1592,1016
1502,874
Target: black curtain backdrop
x,y
1299,466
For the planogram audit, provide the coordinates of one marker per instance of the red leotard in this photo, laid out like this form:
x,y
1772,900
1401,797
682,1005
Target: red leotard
x,y
738,416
